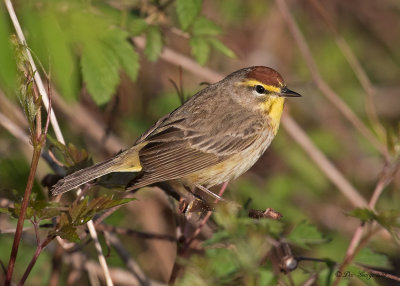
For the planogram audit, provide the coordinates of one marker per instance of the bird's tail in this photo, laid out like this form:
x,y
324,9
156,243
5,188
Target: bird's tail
x,y
127,161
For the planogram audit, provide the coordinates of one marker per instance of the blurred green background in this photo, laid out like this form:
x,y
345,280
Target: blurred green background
x,y
101,69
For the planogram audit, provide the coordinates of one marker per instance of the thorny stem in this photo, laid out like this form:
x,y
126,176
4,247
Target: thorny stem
x,y
21,218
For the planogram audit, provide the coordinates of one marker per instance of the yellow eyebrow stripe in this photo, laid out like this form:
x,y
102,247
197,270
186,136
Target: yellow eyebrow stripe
x,y
253,82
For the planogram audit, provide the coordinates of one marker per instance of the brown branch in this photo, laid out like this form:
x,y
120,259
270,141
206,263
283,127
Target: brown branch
x,y
322,85
379,273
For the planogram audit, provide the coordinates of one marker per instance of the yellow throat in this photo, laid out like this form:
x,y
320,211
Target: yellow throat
x,y
273,106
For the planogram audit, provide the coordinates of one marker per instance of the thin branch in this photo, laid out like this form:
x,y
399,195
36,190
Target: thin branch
x,y
322,85
379,273
100,254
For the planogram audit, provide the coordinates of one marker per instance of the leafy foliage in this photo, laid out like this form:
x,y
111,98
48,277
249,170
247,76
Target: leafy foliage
x,y
200,49
69,34
205,27
369,258
305,234
153,43
70,155
187,10
100,71
233,253
389,219
81,212
76,215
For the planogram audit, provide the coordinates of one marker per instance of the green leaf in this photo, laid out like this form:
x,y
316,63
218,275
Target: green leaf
x,y
218,237
363,214
205,27
219,46
70,155
100,67
137,26
200,49
84,211
223,261
369,258
26,98
62,61
117,40
128,58
68,232
65,229
304,234
45,209
154,43
76,210
17,210
187,10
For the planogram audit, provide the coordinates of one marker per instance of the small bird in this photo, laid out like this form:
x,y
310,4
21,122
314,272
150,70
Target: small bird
x,y
214,137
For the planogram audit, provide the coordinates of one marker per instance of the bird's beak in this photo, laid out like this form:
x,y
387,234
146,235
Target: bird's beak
x,y
285,92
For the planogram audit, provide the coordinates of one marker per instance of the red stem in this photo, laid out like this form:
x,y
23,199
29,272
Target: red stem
x,y
21,218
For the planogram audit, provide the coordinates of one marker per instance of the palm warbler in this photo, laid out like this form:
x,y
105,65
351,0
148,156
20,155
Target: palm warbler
x,y
214,137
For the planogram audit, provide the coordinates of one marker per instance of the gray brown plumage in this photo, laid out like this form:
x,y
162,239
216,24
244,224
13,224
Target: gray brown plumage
x,y
214,137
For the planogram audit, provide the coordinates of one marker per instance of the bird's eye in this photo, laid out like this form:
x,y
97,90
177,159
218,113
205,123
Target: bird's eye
x,y
260,89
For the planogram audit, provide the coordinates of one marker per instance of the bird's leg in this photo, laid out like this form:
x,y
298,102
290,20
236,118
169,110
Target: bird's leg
x,y
207,191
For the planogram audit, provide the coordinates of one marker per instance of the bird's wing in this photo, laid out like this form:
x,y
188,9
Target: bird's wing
x,y
173,151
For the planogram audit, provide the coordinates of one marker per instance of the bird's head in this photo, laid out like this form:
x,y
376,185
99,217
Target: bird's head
x,y
261,89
